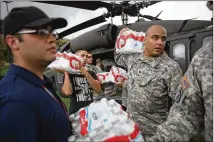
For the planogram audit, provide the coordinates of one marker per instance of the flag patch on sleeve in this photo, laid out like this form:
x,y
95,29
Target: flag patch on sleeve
x,y
185,82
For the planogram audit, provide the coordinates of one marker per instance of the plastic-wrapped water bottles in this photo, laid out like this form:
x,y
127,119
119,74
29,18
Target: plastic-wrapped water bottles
x,y
129,41
103,77
104,121
117,75
66,62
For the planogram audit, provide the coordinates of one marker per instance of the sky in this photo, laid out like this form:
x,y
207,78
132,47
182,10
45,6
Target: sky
x,y
172,10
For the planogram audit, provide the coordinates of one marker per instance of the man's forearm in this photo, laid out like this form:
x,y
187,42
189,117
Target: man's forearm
x,y
93,83
66,87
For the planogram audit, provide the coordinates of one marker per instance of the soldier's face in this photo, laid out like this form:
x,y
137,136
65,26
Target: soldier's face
x,y
155,41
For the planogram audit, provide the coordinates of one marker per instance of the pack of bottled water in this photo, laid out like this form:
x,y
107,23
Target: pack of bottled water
x,y
129,41
103,77
66,62
106,121
117,75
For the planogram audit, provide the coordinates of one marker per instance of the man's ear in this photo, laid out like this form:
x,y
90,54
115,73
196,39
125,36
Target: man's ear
x,y
145,38
144,41
12,42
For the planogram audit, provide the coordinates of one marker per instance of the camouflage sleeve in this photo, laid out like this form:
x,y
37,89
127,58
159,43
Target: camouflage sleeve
x,y
124,96
174,81
121,59
186,115
125,60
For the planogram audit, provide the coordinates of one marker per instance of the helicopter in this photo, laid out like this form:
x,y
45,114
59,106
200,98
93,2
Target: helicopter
x,y
185,36
114,9
101,41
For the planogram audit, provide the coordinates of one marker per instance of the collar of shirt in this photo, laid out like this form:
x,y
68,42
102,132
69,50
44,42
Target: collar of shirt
x,y
152,61
27,75
33,78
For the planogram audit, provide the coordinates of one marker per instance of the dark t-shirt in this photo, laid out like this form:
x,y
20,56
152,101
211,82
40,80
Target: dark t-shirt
x,y
82,93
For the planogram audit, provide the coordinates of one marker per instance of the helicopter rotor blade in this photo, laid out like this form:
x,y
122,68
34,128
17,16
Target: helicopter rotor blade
x,y
149,17
86,24
88,5
157,15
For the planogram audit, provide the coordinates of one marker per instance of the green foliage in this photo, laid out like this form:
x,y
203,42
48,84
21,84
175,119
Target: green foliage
x,y
61,42
66,101
4,57
3,71
4,52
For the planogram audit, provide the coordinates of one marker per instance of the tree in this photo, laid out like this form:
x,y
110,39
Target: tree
x,y
61,42
4,52
4,57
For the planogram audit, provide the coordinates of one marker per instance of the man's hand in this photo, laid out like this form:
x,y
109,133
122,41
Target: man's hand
x,y
120,85
82,69
92,82
60,71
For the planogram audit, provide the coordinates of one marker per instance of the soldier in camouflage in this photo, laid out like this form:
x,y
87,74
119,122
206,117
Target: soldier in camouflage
x,y
193,111
89,65
153,76
124,95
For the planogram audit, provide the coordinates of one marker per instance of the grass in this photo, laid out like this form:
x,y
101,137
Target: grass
x,y
66,101
3,71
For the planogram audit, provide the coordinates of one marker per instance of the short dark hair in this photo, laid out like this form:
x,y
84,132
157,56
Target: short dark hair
x,y
149,28
98,60
79,51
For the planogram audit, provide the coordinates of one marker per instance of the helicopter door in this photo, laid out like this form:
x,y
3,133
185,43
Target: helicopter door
x,y
178,50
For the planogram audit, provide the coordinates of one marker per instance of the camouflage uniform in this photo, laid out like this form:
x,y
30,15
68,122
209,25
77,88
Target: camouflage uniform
x,y
124,96
150,82
91,68
99,69
193,111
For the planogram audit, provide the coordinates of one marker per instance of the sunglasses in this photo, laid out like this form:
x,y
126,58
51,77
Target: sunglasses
x,y
40,32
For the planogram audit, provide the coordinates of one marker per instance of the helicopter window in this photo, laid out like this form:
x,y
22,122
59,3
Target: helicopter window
x,y
179,52
207,39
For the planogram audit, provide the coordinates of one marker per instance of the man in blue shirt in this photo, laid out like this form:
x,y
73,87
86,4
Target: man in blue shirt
x,y
30,110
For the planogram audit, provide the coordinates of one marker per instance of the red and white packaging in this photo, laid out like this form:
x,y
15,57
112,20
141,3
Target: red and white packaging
x,y
117,75
129,41
104,121
103,77
95,115
66,62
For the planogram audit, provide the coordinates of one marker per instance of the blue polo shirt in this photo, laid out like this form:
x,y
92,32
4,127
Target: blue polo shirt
x,y
28,113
